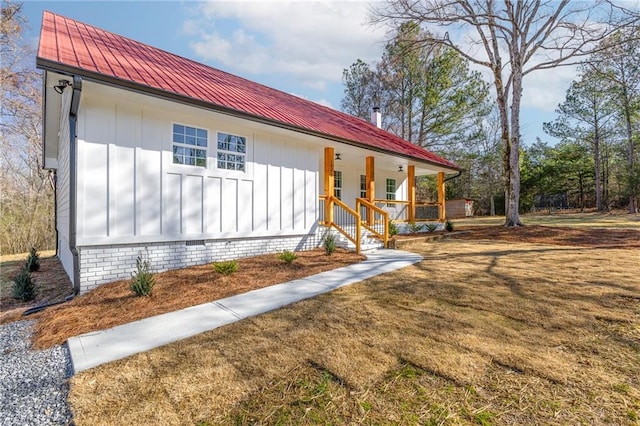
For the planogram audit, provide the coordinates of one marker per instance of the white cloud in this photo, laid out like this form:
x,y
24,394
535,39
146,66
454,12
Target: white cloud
x,y
311,41
545,89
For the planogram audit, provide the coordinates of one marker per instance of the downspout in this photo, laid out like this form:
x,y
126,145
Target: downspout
x,y
73,198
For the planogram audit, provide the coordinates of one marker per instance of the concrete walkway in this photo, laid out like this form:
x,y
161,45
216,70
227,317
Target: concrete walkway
x,y
93,349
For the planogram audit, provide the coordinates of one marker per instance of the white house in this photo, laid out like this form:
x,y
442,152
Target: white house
x,y
159,156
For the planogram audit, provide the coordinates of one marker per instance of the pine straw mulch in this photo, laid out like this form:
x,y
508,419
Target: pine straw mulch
x,y
583,237
114,304
52,284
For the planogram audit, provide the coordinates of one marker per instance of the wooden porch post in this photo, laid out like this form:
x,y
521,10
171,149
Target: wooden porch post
x,y
329,157
442,213
411,195
371,187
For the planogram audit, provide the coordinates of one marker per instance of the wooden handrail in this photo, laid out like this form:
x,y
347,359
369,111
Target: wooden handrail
x,y
334,200
385,236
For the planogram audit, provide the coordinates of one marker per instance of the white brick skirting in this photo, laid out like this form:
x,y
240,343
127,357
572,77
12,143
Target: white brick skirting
x,y
104,264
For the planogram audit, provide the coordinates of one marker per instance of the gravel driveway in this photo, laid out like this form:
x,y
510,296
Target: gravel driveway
x,y
33,384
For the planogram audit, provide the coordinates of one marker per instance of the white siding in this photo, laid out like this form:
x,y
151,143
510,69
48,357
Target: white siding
x,y
130,191
62,187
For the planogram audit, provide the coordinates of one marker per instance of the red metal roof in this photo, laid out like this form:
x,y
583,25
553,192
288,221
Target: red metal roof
x,y
70,46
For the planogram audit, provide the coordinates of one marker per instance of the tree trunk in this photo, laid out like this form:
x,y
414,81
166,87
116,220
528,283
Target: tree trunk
x,y
513,201
596,160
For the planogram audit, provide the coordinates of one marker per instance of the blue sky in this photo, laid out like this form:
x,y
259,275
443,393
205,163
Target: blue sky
x,y
300,47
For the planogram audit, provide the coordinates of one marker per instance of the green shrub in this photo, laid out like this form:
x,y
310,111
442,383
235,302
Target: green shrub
x,y
431,227
414,228
448,226
393,229
226,268
142,280
329,244
287,256
23,287
33,260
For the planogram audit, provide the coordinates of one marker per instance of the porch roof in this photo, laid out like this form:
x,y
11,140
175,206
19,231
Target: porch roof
x,y
71,47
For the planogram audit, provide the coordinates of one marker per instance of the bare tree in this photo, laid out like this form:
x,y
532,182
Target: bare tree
x,y
513,39
26,202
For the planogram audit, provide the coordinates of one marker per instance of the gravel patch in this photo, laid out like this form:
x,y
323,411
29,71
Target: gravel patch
x,y
33,384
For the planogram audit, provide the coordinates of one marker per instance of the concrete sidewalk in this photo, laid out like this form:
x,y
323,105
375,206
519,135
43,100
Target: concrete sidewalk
x,y
93,349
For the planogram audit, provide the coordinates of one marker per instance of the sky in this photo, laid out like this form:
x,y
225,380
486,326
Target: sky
x,y
299,47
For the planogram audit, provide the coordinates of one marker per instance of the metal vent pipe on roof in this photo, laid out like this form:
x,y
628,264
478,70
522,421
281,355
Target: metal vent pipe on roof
x,y
376,117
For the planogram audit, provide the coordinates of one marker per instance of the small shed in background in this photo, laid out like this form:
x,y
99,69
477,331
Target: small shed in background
x,y
458,209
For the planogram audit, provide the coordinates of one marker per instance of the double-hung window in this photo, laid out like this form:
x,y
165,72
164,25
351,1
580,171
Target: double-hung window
x,y
189,145
232,151
391,189
363,186
337,184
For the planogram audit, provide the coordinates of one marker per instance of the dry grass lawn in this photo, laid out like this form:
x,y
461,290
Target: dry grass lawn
x,y
480,332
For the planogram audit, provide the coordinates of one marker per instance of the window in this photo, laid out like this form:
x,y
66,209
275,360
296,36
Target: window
x,y
189,145
363,186
337,184
391,189
231,152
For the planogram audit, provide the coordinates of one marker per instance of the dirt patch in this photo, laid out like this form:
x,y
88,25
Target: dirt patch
x,y
113,304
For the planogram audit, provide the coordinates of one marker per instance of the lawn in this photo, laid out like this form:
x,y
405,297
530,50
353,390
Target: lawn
x,y
483,331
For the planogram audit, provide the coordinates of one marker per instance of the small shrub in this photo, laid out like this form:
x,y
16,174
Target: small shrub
x,y
393,229
329,244
33,260
142,280
287,256
226,268
23,287
414,228
448,226
431,227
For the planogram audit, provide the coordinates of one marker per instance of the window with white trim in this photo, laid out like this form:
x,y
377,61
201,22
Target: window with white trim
x,y
391,189
232,151
190,145
363,186
337,184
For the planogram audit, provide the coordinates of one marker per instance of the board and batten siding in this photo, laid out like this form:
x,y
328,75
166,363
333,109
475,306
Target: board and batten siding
x,y
130,191
62,186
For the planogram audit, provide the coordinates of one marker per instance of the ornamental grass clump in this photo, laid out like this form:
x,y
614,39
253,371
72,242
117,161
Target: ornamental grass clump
x,y
287,257
33,260
448,226
226,268
23,287
431,227
414,228
329,244
393,229
142,280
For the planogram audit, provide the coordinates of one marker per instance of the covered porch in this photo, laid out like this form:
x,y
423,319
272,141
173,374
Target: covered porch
x,y
362,194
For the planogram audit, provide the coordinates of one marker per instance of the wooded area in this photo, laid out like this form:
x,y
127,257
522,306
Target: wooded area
x,y
510,40
26,190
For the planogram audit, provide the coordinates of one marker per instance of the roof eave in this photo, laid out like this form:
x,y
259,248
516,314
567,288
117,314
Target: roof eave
x,y
49,65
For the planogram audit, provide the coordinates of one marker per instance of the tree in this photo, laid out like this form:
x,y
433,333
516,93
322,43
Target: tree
x,y
533,34
360,94
428,95
26,202
586,116
619,63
